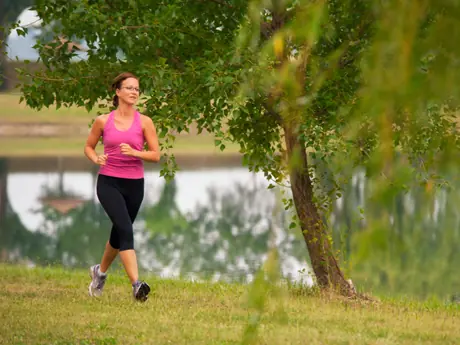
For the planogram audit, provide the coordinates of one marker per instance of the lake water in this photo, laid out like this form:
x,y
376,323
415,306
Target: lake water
x,y
218,221
213,222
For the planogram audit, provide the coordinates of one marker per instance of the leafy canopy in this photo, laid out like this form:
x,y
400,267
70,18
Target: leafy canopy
x,y
358,79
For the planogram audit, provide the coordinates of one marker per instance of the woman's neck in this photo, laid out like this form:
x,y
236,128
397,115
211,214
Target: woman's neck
x,y
125,110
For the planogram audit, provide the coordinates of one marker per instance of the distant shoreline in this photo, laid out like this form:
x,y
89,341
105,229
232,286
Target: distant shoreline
x,y
41,129
79,163
25,132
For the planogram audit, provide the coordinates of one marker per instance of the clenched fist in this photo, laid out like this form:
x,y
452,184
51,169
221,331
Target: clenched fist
x,y
101,159
127,150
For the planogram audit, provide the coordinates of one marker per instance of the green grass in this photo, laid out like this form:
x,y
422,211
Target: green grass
x,y
51,306
12,111
73,146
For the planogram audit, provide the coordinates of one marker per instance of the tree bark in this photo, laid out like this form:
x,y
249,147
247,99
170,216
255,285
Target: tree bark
x,y
323,261
3,62
3,203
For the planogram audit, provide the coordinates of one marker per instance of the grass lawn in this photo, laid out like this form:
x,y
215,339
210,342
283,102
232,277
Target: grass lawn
x,y
69,147
51,306
12,111
73,146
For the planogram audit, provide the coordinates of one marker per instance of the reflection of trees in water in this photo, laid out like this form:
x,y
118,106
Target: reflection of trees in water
x,y
78,236
408,242
72,233
227,237
78,228
16,242
413,250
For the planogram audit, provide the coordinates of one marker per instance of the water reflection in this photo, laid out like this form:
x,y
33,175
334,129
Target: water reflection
x,y
16,241
208,223
404,242
218,223
227,237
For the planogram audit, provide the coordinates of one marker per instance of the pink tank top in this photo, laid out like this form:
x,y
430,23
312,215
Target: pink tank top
x,y
117,164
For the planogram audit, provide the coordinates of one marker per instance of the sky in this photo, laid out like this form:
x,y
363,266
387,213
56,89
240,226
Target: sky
x,y
22,46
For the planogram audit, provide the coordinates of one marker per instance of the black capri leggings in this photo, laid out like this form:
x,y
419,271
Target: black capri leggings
x,y
121,199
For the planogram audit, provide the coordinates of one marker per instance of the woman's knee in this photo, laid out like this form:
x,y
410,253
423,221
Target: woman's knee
x,y
114,239
126,239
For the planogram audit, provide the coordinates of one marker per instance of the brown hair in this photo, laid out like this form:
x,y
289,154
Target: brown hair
x,y
117,84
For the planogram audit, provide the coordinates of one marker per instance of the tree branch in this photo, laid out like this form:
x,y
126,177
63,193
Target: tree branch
x,y
278,21
219,2
272,112
33,76
363,27
146,26
133,27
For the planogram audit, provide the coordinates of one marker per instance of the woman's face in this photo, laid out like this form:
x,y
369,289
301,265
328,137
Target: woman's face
x,y
129,91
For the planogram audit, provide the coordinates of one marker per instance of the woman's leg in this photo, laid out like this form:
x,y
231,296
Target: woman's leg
x,y
112,247
133,200
105,190
133,192
129,260
109,255
112,200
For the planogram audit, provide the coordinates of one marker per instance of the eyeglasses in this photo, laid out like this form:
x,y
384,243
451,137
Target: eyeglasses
x,y
130,88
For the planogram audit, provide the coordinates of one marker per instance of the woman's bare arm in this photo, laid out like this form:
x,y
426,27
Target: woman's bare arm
x,y
93,138
150,134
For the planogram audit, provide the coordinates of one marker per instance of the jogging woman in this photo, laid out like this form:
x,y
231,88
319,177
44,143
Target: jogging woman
x,y
120,182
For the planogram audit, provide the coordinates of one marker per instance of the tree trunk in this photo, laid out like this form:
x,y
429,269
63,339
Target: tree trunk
x,y
323,261
3,60
3,203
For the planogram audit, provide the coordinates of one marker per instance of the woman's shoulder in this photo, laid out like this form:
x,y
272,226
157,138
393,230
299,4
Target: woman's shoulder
x,y
146,120
102,119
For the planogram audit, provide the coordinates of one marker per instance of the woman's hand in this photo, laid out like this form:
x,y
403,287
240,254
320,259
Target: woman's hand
x,y
101,159
127,150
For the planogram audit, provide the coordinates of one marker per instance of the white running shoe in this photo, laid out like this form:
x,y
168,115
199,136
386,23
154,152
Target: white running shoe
x,y
97,281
